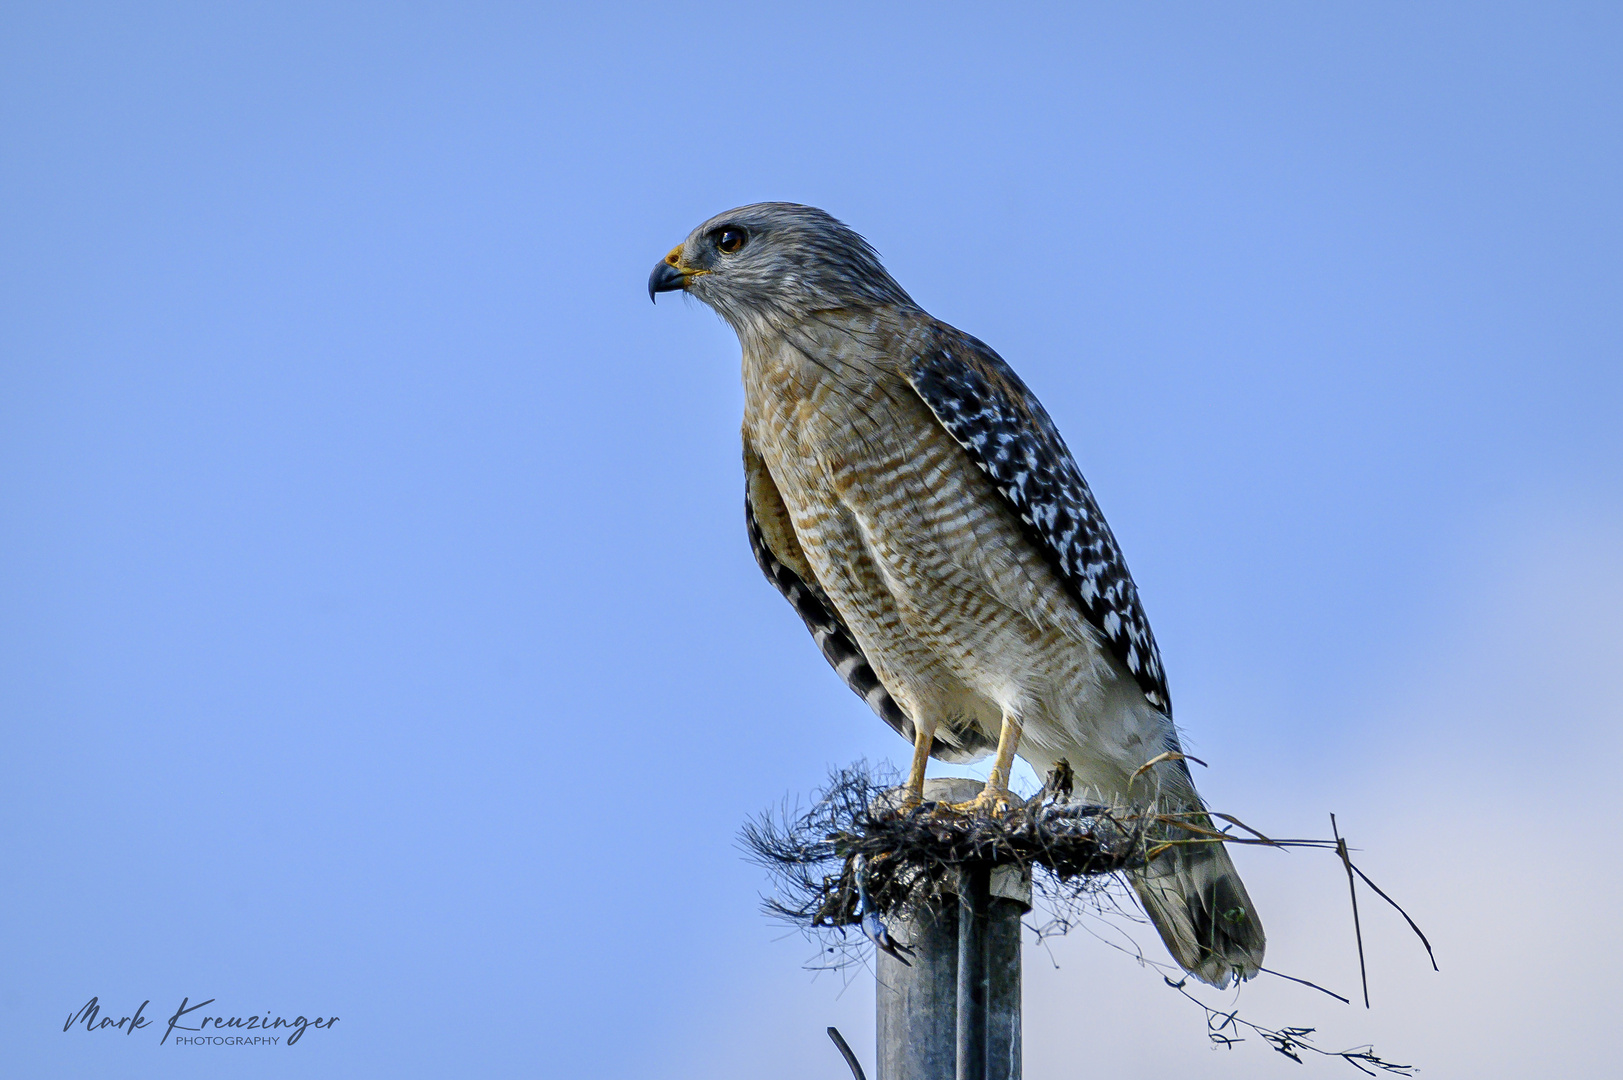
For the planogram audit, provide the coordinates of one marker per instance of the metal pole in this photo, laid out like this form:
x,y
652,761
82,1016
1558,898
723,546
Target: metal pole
x,y
1010,895
918,1004
954,1013
974,904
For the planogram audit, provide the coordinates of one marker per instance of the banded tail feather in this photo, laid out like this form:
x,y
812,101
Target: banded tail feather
x,y
1195,898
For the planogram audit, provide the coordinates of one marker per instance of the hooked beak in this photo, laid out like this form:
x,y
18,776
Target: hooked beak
x,y
669,274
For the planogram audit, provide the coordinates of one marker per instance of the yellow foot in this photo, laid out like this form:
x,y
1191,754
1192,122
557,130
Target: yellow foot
x,y
901,801
991,802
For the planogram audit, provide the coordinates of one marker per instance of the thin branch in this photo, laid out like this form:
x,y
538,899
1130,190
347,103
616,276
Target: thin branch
x,y
850,1058
1405,915
1232,820
1352,889
1222,1028
1304,982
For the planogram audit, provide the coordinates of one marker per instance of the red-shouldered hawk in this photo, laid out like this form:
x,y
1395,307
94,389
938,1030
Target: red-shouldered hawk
x,y
912,500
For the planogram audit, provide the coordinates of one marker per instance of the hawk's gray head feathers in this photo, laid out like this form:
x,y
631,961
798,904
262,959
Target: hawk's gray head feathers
x,y
774,261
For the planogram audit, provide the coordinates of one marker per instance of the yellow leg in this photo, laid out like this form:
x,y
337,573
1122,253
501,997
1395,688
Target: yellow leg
x,y
923,737
1008,742
996,796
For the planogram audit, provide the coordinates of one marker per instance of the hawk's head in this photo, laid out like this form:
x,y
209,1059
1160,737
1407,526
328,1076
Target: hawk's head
x,y
776,260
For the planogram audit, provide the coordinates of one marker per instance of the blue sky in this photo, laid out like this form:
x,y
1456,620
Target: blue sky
x,y
379,634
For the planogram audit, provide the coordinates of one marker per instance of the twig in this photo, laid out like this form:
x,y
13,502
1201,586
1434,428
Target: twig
x,y
1289,1041
1352,889
850,1058
1405,915
1170,755
1304,982
1232,820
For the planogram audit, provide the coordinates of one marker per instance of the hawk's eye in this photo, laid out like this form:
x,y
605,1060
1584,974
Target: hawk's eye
x,y
730,240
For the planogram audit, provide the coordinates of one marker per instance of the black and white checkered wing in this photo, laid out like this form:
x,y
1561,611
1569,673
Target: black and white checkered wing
x,y
985,406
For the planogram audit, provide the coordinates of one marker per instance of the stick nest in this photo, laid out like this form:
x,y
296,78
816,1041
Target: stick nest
x,y
860,855
861,850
